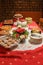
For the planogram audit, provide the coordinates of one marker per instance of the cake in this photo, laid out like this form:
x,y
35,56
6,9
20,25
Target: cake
x,y
20,33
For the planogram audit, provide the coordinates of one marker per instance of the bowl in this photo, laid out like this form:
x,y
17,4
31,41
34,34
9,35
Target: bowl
x,y
36,38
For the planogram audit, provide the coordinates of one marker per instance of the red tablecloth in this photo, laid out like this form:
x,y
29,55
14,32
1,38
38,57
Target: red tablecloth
x,y
31,57
28,57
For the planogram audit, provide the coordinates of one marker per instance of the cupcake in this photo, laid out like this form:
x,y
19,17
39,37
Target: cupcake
x,y
29,19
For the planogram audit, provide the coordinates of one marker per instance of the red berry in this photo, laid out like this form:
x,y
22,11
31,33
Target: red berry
x,y
20,30
17,35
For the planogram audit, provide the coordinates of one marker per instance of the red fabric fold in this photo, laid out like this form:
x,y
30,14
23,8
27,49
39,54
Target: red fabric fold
x,y
28,57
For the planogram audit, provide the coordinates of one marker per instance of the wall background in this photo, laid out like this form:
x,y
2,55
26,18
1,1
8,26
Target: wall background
x,y
27,7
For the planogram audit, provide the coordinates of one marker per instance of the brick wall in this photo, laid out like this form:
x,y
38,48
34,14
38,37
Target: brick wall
x,y
9,7
28,5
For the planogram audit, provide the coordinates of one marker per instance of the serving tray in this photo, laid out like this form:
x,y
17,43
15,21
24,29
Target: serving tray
x,y
7,43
